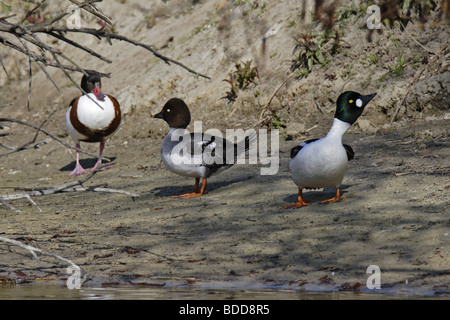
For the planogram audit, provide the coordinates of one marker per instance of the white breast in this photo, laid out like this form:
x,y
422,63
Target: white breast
x,y
178,160
95,115
322,163
319,165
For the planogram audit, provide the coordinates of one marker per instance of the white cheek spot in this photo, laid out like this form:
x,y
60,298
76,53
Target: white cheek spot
x,y
359,103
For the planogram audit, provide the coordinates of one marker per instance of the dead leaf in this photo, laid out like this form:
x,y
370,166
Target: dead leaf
x,y
351,286
20,273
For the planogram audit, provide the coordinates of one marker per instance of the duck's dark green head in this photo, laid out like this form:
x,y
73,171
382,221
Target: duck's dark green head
x,y
350,106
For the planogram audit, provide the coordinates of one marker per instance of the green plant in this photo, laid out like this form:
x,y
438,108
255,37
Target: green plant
x,y
395,41
199,29
373,58
368,80
313,49
241,78
347,71
274,121
398,68
345,12
4,7
251,4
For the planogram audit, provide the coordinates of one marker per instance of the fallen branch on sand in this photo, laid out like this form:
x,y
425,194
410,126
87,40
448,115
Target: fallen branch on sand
x,y
78,274
67,187
34,250
39,129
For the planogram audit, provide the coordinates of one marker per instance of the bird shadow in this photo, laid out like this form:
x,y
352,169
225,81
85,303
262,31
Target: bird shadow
x,y
317,195
171,190
86,163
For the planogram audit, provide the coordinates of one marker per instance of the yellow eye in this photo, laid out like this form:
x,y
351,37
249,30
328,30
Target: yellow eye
x,y
351,101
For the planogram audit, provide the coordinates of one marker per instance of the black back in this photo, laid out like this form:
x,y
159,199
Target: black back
x,y
296,149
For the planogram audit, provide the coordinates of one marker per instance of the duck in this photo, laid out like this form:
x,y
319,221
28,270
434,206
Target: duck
x,y
319,163
196,155
92,117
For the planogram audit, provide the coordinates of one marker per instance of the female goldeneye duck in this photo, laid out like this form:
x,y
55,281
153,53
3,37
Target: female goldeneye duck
x,y
92,117
323,162
211,149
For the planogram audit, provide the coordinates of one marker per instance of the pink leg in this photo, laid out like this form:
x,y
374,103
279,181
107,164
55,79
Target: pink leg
x,y
78,168
100,156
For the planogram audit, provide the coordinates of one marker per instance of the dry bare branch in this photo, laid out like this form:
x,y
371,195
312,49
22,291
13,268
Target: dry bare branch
x,y
45,132
67,187
32,46
34,250
266,107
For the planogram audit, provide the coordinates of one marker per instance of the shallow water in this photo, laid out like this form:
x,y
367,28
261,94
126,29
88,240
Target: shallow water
x,y
53,291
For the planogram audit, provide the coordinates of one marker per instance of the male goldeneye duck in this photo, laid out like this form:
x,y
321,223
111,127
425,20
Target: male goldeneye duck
x,y
323,162
196,155
92,117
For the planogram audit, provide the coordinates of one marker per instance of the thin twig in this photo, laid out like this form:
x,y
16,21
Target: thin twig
x,y
67,187
79,46
108,35
318,106
34,250
266,106
92,9
45,61
425,48
48,134
29,32
10,207
437,55
29,13
101,189
26,145
30,72
401,103
3,66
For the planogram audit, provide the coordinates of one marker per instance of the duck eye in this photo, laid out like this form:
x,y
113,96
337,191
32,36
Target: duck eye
x,y
168,110
359,103
350,101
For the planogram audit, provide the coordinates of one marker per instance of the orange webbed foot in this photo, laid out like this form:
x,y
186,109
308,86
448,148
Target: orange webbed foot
x,y
196,192
188,195
300,203
336,198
